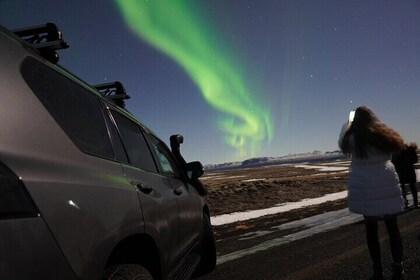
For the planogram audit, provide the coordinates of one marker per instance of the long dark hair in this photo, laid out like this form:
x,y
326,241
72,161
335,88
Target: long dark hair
x,y
368,130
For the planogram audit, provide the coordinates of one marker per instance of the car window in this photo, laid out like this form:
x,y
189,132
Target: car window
x,y
76,110
164,159
138,151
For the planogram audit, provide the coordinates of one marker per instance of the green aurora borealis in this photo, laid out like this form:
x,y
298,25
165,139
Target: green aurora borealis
x,y
183,34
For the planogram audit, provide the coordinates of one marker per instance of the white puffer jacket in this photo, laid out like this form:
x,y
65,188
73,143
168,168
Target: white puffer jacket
x,y
373,187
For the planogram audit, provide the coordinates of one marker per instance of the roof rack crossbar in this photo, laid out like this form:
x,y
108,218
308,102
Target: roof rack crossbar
x,y
113,91
46,38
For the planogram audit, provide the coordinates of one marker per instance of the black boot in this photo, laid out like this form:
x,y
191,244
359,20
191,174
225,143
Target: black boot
x,y
397,271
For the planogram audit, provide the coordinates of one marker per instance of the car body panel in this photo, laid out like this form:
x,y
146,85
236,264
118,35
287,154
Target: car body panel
x,y
190,214
88,204
57,175
28,251
160,211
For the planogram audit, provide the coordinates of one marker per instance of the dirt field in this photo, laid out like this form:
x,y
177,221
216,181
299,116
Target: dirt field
x,y
239,190
257,188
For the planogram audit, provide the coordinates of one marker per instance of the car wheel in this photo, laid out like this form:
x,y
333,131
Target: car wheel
x,y
208,249
127,272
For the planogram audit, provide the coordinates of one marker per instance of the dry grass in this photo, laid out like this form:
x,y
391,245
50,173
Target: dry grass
x,y
263,187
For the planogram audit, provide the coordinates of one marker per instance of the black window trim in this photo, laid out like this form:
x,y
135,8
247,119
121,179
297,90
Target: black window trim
x,y
108,116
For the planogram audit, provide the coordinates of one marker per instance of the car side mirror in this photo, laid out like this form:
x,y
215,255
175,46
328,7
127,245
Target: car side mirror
x,y
194,170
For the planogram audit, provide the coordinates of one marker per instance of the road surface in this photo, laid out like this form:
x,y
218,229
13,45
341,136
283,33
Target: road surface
x,y
338,253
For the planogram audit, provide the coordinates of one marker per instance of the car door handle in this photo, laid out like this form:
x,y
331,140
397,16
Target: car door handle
x,y
144,188
178,191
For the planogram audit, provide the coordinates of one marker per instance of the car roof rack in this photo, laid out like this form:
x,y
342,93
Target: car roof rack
x,y
46,38
113,91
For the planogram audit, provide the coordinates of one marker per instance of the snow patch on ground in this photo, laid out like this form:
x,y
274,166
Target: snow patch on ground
x,y
242,216
323,168
253,180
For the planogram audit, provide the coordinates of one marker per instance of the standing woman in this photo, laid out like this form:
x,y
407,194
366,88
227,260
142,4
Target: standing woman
x,y
373,189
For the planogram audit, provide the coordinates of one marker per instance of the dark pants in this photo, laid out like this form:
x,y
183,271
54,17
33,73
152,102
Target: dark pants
x,y
373,240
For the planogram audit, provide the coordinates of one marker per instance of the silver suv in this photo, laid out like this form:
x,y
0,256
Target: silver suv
x,y
86,190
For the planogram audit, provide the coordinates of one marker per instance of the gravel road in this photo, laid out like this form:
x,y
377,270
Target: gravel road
x,y
337,254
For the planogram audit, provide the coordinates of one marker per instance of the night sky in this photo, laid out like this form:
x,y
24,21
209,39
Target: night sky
x,y
242,78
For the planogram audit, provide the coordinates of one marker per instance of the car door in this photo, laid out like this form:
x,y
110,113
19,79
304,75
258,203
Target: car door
x,y
189,202
156,194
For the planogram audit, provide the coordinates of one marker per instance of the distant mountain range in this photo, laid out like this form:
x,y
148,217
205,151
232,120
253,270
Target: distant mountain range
x,y
315,156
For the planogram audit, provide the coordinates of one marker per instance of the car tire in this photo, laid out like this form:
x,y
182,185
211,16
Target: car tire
x,y
208,249
127,272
